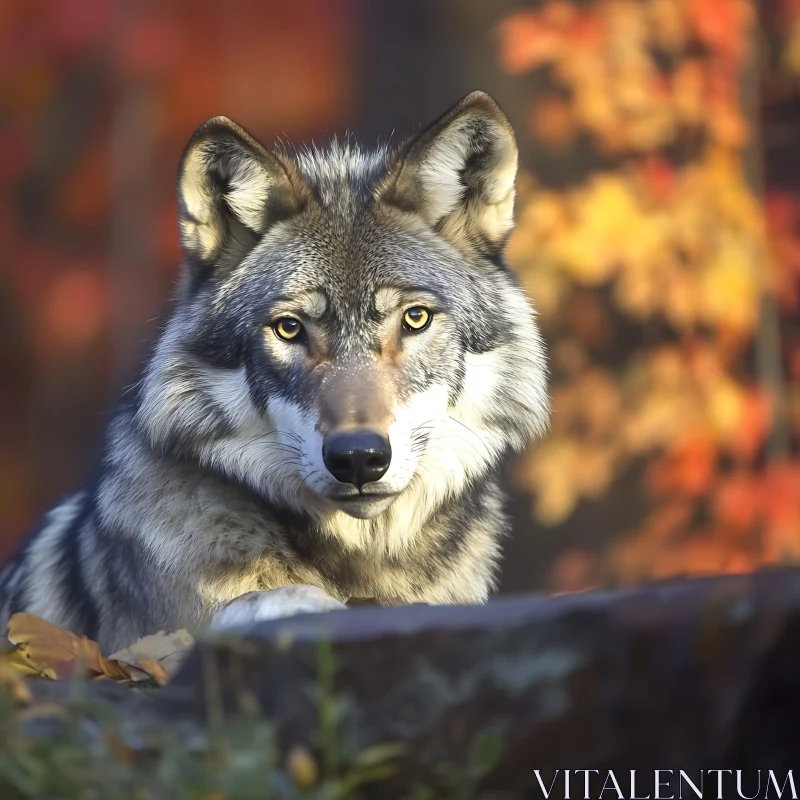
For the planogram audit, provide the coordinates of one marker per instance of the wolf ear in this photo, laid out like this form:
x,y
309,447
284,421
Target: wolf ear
x,y
230,190
459,175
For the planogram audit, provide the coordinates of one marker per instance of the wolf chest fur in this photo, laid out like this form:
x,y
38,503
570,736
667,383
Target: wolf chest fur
x,y
346,365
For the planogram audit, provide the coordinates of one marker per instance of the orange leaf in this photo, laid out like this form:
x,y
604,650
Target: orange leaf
x,y
738,500
688,469
55,652
553,122
154,670
526,42
722,24
754,424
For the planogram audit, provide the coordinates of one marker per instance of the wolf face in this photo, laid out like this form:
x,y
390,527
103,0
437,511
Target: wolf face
x,y
346,338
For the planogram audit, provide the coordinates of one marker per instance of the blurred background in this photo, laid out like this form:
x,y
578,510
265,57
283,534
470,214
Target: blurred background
x,y
658,234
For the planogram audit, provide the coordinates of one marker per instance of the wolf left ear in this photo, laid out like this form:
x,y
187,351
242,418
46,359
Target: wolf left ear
x,y
459,175
230,190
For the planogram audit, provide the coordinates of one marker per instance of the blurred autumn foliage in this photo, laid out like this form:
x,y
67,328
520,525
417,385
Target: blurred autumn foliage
x,y
666,277
97,100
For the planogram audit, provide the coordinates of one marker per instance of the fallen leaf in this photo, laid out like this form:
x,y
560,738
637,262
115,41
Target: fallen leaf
x,y
19,659
13,681
49,650
158,655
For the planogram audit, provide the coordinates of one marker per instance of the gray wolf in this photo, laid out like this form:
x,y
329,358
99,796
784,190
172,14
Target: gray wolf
x,y
347,363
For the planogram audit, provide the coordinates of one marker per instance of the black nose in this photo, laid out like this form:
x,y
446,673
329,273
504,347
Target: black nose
x,y
357,457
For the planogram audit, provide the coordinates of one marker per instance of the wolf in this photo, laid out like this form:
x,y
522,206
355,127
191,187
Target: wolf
x,y
346,365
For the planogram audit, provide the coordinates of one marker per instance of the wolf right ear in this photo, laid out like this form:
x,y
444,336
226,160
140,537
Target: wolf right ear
x,y
459,175
230,190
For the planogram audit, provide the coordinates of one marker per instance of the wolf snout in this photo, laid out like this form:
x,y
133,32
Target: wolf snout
x,y
357,457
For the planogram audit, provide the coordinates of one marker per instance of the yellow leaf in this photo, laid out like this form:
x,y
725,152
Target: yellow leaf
x,y
668,24
725,406
19,659
681,297
13,680
302,767
730,287
550,473
606,212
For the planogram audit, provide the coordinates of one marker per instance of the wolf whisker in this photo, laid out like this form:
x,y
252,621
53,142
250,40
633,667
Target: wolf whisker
x,y
281,433
271,444
468,429
295,436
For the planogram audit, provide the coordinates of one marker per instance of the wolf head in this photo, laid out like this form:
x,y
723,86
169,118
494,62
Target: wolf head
x,y
346,333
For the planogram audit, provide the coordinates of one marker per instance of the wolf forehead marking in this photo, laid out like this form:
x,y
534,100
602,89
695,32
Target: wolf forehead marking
x,y
344,175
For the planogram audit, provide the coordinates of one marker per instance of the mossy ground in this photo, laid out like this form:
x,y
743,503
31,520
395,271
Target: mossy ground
x,y
80,748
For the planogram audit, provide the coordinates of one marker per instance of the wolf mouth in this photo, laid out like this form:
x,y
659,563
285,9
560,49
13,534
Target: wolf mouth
x,y
364,505
364,496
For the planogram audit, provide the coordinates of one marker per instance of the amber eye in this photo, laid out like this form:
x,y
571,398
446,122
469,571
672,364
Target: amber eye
x,y
287,328
416,318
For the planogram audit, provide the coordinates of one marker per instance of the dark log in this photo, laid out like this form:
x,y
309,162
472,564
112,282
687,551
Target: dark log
x,y
695,675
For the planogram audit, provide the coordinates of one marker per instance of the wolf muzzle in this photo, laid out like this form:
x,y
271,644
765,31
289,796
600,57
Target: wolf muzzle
x,y
355,415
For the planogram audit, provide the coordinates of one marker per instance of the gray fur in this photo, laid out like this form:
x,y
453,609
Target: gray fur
x,y
213,486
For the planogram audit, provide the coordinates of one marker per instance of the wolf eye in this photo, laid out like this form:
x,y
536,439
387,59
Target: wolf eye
x,y
416,319
287,328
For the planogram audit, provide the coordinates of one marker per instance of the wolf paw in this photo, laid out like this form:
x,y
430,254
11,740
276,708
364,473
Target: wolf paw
x,y
284,602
